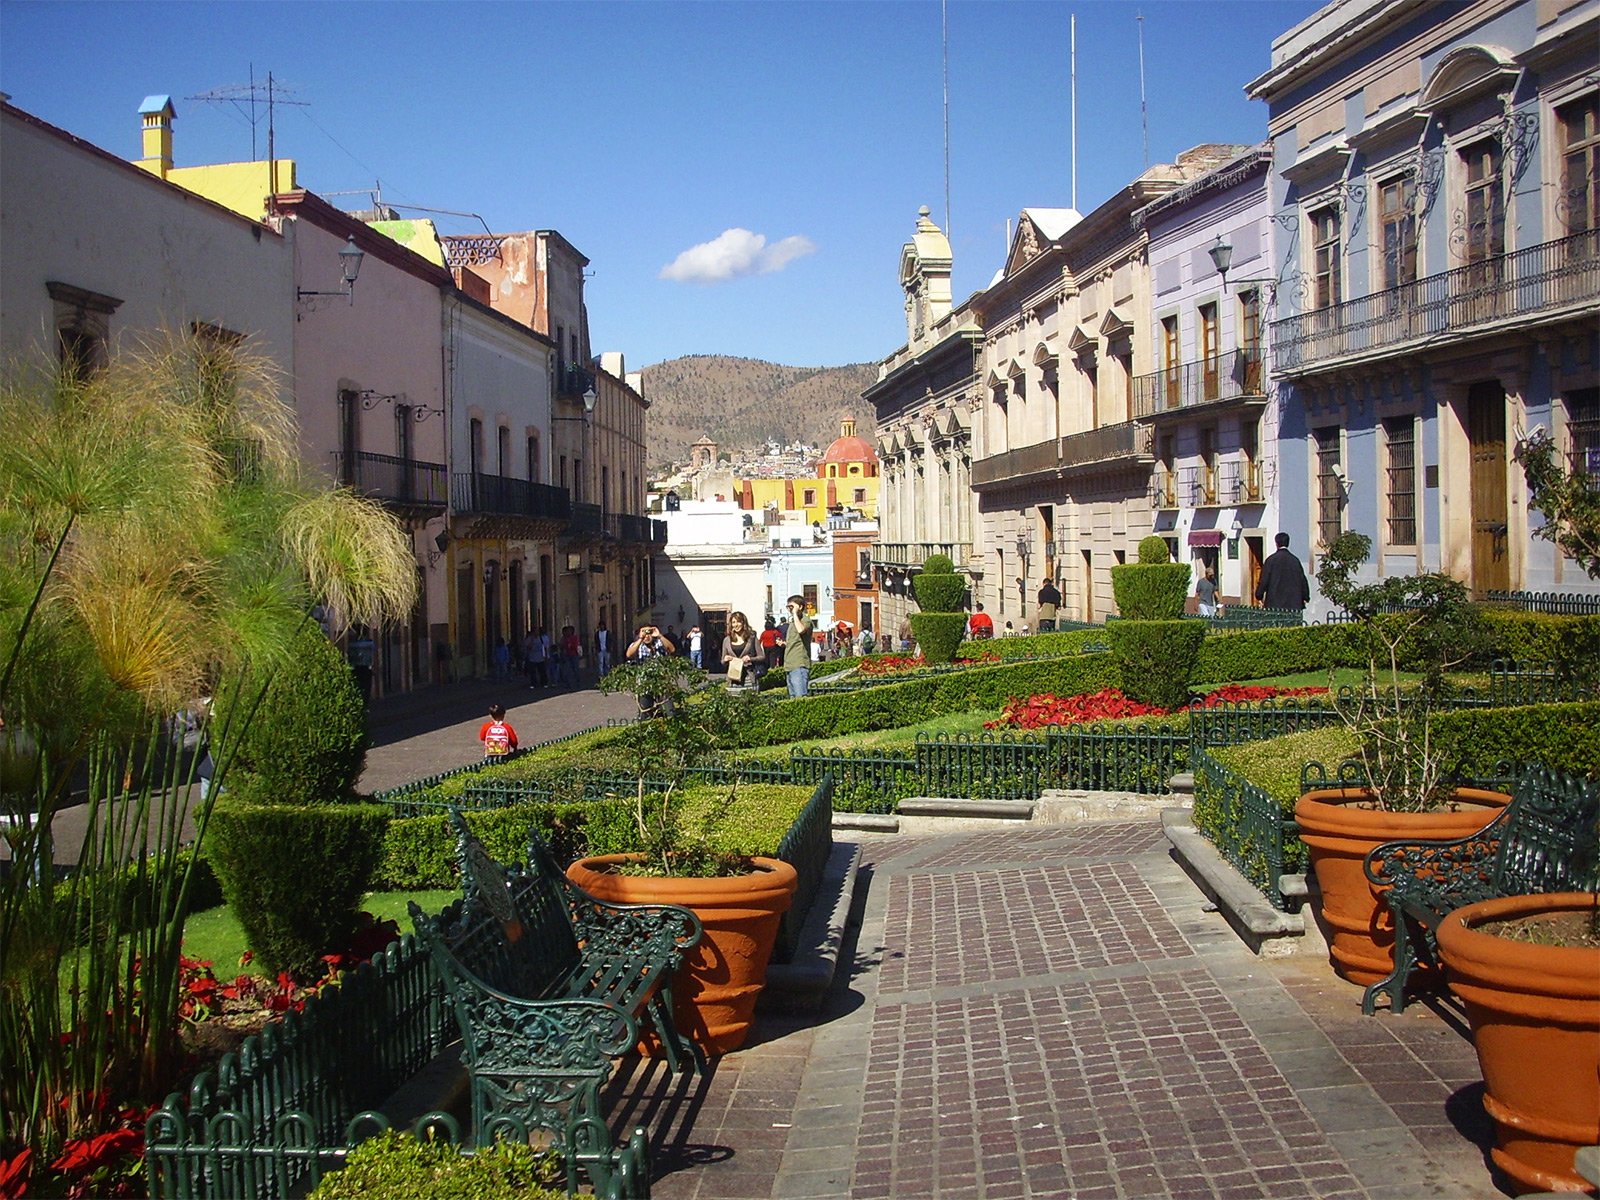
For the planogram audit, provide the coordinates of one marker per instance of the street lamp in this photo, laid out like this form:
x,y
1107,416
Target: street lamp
x,y
1221,252
350,258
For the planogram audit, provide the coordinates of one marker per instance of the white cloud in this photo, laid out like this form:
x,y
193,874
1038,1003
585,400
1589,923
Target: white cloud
x,y
734,253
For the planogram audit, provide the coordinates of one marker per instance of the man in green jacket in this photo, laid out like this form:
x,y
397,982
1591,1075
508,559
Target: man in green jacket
x,y
797,648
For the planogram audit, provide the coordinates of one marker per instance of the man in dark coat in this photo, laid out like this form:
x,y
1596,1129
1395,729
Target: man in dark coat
x,y
1283,582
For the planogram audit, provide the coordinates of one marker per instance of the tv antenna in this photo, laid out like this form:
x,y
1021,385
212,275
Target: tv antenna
x,y
249,100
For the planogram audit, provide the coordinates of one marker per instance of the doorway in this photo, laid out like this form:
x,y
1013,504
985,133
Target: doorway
x,y
1253,551
1088,587
713,628
1486,439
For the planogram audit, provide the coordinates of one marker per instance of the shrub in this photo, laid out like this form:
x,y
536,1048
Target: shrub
x,y
1564,737
1274,765
401,1166
1034,645
755,823
1156,659
939,588
1263,653
1568,645
1150,591
939,564
938,634
307,740
897,704
294,875
420,852
1153,549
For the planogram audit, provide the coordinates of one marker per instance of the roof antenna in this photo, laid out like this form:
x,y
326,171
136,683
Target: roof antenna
x,y
1144,115
1074,112
944,13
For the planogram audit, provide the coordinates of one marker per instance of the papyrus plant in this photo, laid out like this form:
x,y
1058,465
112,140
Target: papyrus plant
x,y
157,540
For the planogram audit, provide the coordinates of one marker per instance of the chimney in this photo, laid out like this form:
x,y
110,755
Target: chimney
x,y
156,114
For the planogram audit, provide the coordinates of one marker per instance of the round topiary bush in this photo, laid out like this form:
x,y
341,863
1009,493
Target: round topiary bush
x,y
1156,658
1153,549
1150,591
306,742
294,874
939,564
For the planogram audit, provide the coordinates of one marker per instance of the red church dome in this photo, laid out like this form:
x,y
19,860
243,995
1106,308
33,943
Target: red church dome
x,y
848,448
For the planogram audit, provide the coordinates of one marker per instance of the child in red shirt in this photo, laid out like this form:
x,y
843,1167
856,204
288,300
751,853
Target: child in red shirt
x,y
497,736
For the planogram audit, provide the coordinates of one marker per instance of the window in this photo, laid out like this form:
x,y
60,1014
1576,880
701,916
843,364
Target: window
x,y
577,480
475,446
605,489
1398,232
1330,485
1249,468
561,356
1091,383
349,428
533,458
809,591
1400,439
1209,347
403,425
808,498
1166,476
1250,340
1578,206
1583,427
1325,264
1125,361
502,439
1207,492
863,566
1171,356
563,475
861,495
83,328
1485,232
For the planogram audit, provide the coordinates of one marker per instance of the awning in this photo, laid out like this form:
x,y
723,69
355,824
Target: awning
x,y
1205,537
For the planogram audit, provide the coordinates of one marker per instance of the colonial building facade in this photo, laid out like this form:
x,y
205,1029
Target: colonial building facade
x,y
1436,194
1208,400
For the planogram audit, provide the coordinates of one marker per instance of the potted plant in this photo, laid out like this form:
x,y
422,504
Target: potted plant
x,y
739,898
1527,968
1407,790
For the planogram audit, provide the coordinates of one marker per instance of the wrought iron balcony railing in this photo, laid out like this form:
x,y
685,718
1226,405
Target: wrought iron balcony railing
x,y
573,380
1106,446
1197,486
626,527
914,554
1164,488
1231,376
499,496
1542,279
1239,481
585,520
403,482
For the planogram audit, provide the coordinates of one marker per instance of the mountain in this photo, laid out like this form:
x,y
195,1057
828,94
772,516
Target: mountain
x,y
744,402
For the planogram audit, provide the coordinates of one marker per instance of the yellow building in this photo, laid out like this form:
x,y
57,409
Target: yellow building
x,y
241,186
846,477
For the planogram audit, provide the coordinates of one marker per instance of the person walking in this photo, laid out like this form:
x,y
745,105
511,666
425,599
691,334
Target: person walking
x,y
980,624
571,652
1283,582
905,635
1049,601
498,737
602,649
797,642
650,643
1205,592
536,658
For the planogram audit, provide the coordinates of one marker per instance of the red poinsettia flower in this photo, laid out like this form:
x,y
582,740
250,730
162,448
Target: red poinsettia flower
x,y
82,1155
14,1175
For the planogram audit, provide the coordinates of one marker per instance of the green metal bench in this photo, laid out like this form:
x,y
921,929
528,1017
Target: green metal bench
x,y
549,985
1545,840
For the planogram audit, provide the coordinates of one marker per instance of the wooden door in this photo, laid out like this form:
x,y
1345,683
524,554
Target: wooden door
x,y
1486,437
1252,569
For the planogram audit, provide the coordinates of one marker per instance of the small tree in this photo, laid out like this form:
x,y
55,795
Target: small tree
x,y
1426,621
943,619
1568,499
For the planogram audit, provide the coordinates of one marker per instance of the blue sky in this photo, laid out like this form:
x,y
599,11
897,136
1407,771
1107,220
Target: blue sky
x,y
742,175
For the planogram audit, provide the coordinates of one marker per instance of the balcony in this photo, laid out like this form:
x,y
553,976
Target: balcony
x,y
1125,444
586,521
1164,488
1239,481
911,555
403,484
495,495
1236,375
626,527
1197,487
1537,285
573,380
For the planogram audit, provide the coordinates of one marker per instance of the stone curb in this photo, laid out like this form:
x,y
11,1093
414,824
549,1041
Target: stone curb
x,y
867,822
803,982
1264,929
942,806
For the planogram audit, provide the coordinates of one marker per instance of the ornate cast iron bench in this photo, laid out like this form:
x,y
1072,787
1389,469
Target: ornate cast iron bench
x,y
1543,841
549,986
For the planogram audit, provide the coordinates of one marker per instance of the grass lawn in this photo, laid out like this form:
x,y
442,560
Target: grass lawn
x,y
214,935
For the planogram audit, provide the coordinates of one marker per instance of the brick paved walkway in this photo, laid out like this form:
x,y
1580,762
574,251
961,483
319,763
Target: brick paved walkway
x,y
1052,1013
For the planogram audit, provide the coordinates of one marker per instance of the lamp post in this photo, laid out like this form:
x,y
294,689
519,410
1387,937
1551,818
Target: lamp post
x,y
350,258
1023,554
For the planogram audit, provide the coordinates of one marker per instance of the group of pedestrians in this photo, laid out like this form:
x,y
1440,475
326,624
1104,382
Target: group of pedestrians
x,y
553,662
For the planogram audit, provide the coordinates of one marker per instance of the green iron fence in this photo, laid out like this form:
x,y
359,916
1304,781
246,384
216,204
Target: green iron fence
x,y
1248,827
806,847
1101,758
1565,604
980,766
1243,616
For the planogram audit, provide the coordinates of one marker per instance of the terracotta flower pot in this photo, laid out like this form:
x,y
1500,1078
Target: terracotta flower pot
x,y
1535,1014
1340,833
714,995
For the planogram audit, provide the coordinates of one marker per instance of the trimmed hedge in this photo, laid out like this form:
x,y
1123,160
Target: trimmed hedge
x,y
1274,765
1150,591
322,858
756,822
940,593
917,700
1153,550
938,634
1262,653
1155,659
1564,737
420,852
1034,645
402,1166
1570,645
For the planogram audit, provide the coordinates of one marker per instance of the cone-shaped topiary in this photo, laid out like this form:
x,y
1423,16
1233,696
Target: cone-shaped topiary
x,y
1150,591
1156,658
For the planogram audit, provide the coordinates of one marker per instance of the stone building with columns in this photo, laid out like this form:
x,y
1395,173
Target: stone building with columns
x,y
923,401
1436,196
